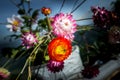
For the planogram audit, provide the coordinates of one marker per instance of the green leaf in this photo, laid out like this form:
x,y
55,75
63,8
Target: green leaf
x,y
35,14
14,52
42,23
21,11
47,58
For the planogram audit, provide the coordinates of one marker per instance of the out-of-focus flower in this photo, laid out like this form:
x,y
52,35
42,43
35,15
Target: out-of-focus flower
x,y
64,26
15,23
55,66
46,11
114,35
59,49
90,71
103,18
29,39
4,73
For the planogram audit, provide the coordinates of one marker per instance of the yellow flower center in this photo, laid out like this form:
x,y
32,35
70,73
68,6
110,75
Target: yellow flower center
x,y
15,23
60,50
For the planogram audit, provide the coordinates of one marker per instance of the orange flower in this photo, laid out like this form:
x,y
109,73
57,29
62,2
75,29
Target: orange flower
x,y
59,49
46,11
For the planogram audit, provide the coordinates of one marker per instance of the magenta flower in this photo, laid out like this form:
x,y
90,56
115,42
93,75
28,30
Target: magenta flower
x,y
4,73
15,23
29,39
55,66
103,18
64,25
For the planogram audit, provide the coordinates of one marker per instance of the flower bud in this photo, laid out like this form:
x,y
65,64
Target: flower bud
x,y
46,11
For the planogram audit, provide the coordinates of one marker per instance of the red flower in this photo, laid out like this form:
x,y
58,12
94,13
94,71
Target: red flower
x,y
55,66
59,49
90,71
46,11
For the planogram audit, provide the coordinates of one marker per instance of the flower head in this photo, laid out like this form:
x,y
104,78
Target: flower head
x,y
29,39
59,49
103,18
90,71
4,73
114,35
46,11
64,26
14,23
55,66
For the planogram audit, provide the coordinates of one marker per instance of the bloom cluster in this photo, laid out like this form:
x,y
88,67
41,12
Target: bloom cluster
x,y
55,45
61,29
103,18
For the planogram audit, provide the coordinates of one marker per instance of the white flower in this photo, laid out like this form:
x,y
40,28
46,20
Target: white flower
x,y
15,23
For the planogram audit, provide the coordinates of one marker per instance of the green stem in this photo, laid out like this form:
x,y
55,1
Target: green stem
x,y
21,54
36,48
28,61
29,70
48,23
6,62
45,51
22,69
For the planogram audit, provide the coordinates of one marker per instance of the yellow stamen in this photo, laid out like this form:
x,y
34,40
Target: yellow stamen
x,y
15,23
60,49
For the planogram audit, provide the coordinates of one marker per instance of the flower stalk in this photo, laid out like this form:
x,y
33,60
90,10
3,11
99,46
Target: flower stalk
x,y
48,23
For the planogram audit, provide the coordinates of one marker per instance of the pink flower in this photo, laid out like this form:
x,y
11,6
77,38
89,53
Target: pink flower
x,y
29,39
15,23
55,66
64,25
4,73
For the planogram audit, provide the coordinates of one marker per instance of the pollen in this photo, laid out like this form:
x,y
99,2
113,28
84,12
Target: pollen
x,y
60,50
15,23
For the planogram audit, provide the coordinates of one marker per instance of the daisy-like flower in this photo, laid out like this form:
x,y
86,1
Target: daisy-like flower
x,y
29,39
4,73
55,66
64,25
59,49
15,23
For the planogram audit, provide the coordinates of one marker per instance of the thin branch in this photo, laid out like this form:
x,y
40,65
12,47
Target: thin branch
x,y
13,2
62,6
84,19
74,5
4,23
78,6
29,8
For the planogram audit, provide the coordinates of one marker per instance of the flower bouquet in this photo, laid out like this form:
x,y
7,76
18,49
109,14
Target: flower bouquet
x,y
49,41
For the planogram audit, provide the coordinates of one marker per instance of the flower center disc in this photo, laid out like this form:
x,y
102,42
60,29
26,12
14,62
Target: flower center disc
x,y
60,50
15,23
